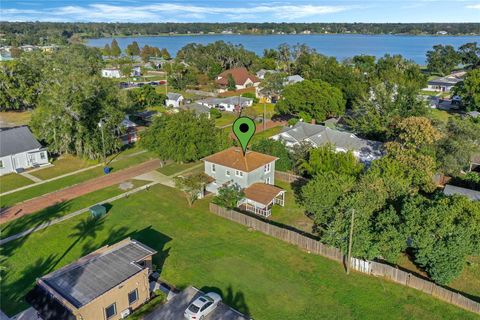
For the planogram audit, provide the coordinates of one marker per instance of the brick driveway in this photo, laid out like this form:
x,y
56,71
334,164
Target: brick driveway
x,y
45,201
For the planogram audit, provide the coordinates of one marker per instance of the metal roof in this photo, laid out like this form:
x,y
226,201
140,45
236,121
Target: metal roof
x,y
173,96
84,280
17,140
196,107
450,190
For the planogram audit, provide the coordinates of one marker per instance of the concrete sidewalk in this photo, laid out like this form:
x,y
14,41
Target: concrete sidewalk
x,y
45,201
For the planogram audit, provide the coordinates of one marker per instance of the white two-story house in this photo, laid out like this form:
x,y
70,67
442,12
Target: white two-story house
x,y
254,172
20,150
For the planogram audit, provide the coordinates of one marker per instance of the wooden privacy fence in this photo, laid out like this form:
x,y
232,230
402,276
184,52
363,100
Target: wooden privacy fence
x,y
369,267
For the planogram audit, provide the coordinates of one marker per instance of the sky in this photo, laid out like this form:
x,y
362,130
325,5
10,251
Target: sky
x,y
241,11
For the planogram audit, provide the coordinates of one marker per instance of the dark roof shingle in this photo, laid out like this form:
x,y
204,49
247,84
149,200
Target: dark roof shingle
x,y
17,140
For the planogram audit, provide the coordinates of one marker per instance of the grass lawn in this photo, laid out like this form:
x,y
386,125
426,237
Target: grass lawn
x,y
257,274
32,220
226,119
58,184
269,109
440,115
174,167
13,181
265,134
13,118
292,214
62,165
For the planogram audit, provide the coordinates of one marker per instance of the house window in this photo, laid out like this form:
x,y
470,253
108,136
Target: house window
x,y
266,168
213,167
110,311
133,296
42,155
1,164
227,173
267,180
238,173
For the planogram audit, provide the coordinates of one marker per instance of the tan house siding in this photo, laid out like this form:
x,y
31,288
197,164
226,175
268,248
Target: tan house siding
x,y
118,295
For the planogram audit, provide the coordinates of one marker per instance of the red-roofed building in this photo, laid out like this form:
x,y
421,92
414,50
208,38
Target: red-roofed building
x,y
243,78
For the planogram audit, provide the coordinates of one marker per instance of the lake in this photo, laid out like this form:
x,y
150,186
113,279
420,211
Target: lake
x,y
340,46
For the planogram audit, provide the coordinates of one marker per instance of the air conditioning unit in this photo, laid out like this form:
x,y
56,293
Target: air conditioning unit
x,y
125,313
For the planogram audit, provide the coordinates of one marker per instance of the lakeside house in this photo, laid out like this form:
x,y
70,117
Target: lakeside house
x,y
317,135
174,100
253,172
19,150
243,79
108,283
445,84
231,104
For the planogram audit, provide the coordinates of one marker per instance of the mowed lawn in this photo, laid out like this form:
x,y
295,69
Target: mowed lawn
x,y
47,187
13,181
174,168
32,220
260,275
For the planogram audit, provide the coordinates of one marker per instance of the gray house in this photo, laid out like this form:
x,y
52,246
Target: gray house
x,y
197,108
20,150
318,135
254,173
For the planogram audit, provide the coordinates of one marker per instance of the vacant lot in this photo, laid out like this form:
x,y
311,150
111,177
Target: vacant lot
x,y
264,277
14,118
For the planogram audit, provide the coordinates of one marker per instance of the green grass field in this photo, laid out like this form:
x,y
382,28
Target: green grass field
x,y
35,191
63,165
29,221
265,134
260,275
13,181
226,119
174,168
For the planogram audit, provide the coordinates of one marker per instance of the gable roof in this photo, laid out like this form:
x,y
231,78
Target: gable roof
x,y
196,107
319,135
86,279
233,100
240,75
173,96
469,193
233,158
17,140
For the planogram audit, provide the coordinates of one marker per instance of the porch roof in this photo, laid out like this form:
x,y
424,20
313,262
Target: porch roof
x,y
262,193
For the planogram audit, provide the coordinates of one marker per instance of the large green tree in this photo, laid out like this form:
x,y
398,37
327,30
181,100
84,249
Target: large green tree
x,y
115,50
184,137
133,49
470,54
442,59
276,149
74,100
469,90
316,99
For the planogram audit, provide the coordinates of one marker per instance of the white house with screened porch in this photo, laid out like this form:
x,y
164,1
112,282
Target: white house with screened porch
x,y
254,172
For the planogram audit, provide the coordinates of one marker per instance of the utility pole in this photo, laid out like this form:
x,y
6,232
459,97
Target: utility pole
x,y
166,82
264,112
350,240
100,124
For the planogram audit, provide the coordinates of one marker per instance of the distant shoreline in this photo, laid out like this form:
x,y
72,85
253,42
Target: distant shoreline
x,y
286,34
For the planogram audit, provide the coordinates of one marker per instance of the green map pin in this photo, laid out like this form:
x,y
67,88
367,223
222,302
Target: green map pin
x,y
244,129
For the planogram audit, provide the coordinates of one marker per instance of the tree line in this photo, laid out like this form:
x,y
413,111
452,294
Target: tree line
x,y
41,33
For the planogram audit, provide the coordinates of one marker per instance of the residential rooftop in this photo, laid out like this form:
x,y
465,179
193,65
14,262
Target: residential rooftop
x,y
262,193
240,75
16,140
450,190
233,158
86,279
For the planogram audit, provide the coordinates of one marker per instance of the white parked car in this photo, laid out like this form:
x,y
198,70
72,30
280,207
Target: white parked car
x,y
203,305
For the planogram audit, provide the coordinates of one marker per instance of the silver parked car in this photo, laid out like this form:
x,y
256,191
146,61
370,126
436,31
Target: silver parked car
x,y
202,306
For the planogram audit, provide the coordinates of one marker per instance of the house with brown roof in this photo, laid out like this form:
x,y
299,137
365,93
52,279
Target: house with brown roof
x,y
243,78
109,283
254,172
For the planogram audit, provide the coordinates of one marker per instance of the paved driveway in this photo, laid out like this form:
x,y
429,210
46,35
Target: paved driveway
x,y
174,309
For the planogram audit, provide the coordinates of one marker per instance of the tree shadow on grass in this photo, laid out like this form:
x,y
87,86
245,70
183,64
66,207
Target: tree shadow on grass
x,y
235,300
13,293
34,220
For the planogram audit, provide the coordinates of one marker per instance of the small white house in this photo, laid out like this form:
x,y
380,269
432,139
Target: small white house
x,y
20,150
174,100
111,73
230,104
